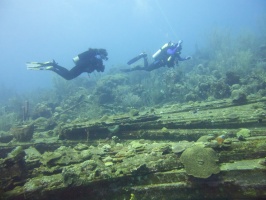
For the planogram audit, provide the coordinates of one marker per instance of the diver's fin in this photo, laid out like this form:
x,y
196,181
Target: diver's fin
x,y
40,65
142,55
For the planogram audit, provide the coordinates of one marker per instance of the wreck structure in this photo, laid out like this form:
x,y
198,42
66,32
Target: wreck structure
x,y
200,150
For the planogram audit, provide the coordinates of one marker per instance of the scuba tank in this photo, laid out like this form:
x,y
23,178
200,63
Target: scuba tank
x,y
157,53
82,57
75,59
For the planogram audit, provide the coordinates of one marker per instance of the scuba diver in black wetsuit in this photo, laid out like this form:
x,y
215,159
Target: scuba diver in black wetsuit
x,y
87,61
168,55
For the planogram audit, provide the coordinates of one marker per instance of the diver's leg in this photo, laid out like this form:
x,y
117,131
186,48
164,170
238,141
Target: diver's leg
x,y
133,60
67,74
146,62
135,68
153,66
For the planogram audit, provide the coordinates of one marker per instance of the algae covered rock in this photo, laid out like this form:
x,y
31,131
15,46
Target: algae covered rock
x,y
133,112
179,147
200,162
32,155
16,153
5,137
12,169
49,158
23,133
244,132
239,96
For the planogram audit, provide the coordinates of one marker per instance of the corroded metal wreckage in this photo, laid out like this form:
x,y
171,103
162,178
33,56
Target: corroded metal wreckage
x,y
202,150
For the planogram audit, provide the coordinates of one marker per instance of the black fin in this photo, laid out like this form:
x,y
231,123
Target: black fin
x,y
142,55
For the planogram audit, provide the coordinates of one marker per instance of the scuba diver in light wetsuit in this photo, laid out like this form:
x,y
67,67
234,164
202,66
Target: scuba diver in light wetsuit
x,y
168,55
87,61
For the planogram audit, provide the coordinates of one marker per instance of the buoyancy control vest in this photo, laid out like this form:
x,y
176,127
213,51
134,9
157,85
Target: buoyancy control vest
x,y
162,51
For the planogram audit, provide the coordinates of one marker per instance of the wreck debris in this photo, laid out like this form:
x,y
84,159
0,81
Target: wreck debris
x,y
127,162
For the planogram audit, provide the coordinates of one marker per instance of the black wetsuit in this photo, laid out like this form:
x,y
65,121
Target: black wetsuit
x,y
158,63
162,60
88,62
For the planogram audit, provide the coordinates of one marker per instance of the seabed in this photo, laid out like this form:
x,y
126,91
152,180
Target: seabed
x,y
145,155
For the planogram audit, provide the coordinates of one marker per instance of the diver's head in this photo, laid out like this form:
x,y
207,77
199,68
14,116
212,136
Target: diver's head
x,y
103,54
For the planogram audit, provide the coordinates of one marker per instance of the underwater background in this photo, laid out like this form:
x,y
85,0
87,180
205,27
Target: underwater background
x,y
219,94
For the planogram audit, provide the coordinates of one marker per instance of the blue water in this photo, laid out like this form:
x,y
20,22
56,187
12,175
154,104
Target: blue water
x,y
47,29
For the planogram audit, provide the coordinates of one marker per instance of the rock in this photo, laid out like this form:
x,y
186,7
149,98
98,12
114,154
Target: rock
x,y
80,147
107,159
108,164
32,157
232,78
49,158
133,112
5,137
88,165
180,146
200,162
140,170
12,169
205,138
136,145
16,153
106,147
243,133
32,154
85,154
165,130
42,110
70,176
238,96
114,129
23,133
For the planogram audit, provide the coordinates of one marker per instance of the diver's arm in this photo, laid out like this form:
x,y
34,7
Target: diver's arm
x,y
179,58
